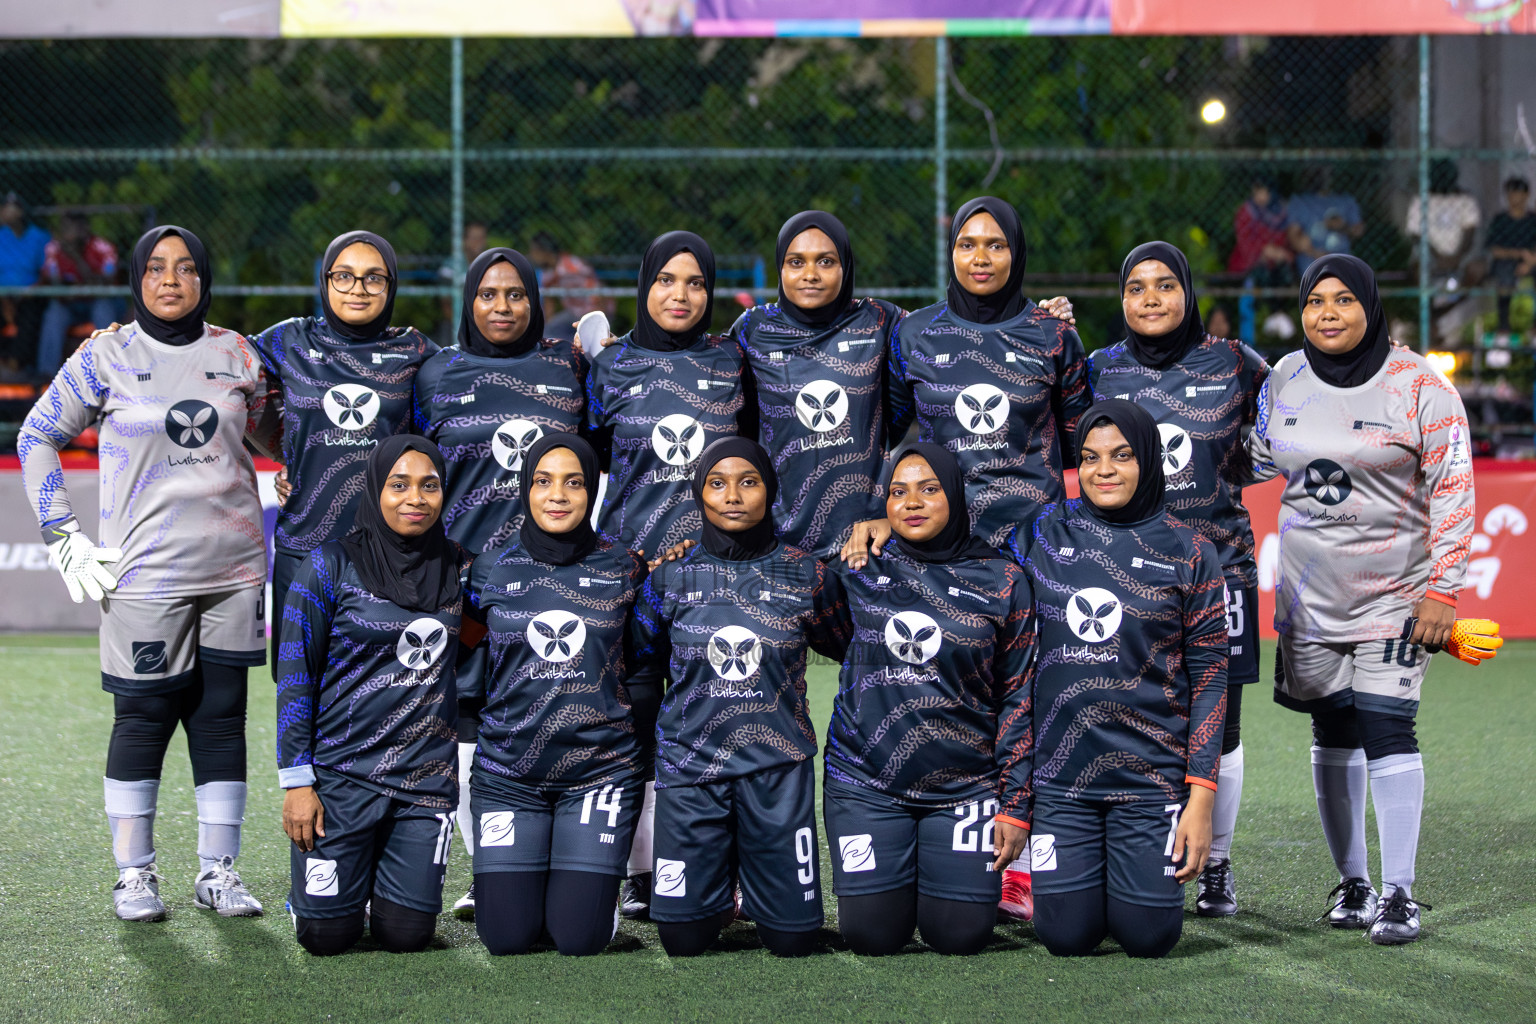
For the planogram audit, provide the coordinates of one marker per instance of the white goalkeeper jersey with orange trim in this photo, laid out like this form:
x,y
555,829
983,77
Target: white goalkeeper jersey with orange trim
x,y
1378,502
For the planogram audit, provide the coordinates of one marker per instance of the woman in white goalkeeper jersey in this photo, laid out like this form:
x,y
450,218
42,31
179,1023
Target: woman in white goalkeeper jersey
x,y
1375,523
180,571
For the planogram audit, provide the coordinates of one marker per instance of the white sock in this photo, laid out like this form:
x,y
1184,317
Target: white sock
x,y
131,814
645,834
1397,791
1338,776
220,813
1229,796
465,818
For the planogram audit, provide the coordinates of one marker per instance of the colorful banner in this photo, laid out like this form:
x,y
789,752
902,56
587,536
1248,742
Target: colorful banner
x,y
418,18
904,18
1321,17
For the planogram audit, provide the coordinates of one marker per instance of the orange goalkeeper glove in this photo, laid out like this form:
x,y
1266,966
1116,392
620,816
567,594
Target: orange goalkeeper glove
x,y
1474,641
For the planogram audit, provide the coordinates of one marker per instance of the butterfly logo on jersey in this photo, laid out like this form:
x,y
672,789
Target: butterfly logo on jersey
x,y
913,637
1176,447
422,643
982,408
735,652
191,424
1327,482
557,635
351,406
678,439
512,440
1094,614
821,405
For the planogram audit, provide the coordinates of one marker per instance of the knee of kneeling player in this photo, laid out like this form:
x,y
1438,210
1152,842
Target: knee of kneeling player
x,y
955,927
790,944
400,929
1145,932
1383,735
688,938
328,936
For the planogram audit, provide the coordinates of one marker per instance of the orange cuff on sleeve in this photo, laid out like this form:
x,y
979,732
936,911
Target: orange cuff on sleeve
x,y
1199,782
1010,819
1442,598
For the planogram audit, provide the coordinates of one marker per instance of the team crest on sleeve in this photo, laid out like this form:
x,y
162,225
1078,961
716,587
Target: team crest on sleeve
x,y
822,405
512,440
422,643
1094,614
1176,447
735,652
913,637
351,406
678,439
982,408
1327,482
557,635
191,424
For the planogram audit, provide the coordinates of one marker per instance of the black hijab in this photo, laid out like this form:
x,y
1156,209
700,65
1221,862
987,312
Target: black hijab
x,y
574,545
417,573
1161,352
1008,301
832,312
648,333
755,541
379,324
187,329
1358,365
470,338
1140,431
955,540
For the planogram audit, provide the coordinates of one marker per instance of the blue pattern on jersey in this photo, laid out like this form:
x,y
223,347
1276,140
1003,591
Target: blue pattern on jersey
x,y
484,413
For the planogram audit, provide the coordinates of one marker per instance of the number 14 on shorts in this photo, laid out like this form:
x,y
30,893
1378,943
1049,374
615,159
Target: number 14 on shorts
x,y
608,800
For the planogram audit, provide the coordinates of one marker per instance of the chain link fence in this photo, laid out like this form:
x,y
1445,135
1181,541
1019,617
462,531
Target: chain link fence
x,y
1249,153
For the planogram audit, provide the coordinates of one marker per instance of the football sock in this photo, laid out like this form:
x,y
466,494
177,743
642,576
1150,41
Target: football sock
x,y
1229,795
1072,923
881,923
581,911
131,813
509,910
220,813
645,832
1339,778
955,927
465,818
1145,932
1397,791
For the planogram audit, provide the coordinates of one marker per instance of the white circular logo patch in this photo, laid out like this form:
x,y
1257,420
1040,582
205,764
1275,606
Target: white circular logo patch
x,y
913,637
821,405
678,439
982,408
1094,614
191,424
422,643
351,406
557,635
512,440
735,652
1176,447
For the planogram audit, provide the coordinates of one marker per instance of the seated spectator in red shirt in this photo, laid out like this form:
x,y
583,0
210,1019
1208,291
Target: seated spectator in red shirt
x,y
76,256
1262,251
560,269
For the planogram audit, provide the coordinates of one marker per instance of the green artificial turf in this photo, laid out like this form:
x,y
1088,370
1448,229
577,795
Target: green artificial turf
x,y
64,957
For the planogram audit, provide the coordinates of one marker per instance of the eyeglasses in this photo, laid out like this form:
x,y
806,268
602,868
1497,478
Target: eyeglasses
x,y
343,281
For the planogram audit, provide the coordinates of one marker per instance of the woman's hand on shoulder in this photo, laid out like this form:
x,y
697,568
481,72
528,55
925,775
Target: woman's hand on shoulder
x,y
1059,307
867,539
281,484
672,554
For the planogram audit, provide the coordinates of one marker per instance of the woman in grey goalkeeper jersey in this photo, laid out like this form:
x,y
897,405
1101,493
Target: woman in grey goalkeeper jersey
x,y
180,571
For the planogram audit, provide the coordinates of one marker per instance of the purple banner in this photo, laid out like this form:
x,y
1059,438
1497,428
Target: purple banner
x,y
890,10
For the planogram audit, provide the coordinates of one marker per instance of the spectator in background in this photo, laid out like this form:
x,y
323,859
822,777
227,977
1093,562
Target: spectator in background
x,y
1512,244
560,269
1262,249
1453,221
1218,323
21,262
476,238
1323,221
77,256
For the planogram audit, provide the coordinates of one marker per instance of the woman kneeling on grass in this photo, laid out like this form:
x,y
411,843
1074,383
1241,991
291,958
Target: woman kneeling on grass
x,y
366,713
1127,704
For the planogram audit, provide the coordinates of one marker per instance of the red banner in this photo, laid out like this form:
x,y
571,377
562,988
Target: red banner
x,y
1320,17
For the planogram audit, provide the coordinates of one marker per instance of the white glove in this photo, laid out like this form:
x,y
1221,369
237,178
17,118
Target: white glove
x,y
80,561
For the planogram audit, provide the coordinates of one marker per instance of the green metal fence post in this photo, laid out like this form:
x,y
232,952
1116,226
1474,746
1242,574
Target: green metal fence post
x,y
940,165
1424,276
457,164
